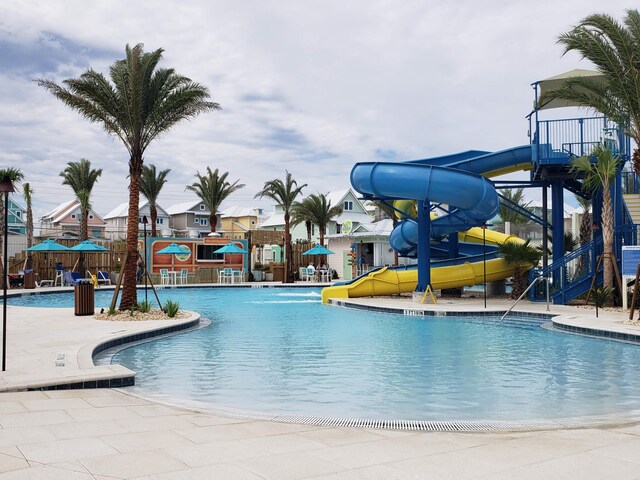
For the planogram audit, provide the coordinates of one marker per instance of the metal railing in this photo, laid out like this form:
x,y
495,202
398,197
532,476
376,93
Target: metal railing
x,y
535,280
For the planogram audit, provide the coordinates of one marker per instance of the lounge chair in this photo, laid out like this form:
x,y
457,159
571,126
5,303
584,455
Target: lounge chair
x,y
103,277
72,278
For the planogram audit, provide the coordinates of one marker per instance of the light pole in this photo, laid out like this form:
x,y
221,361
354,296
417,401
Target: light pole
x,y
7,187
484,261
144,263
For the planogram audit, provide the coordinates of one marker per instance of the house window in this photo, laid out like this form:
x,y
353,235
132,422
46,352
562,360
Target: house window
x,y
202,206
338,228
196,221
18,213
204,222
159,221
348,206
313,229
91,216
73,215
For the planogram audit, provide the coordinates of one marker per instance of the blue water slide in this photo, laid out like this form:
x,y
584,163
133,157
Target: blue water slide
x,y
452,179
472,198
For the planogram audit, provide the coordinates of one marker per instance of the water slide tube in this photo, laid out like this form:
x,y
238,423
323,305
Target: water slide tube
x,y
453,180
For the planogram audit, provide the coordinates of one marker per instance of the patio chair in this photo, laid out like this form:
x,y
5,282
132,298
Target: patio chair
x,y
103,277
307,274
59,275
164,276
71,278
183,276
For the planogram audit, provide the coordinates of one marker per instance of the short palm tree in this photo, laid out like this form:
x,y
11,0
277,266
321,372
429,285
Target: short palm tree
x,y
151,183
213,189
613,48
317,210
140,103
509,215
27,193
598,176
81,178
284,194
522,257
16,176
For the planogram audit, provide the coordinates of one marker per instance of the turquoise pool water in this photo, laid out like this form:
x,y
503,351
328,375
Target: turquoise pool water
x,y
276,349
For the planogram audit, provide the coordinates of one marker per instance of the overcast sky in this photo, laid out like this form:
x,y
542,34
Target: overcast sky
x,y
312,87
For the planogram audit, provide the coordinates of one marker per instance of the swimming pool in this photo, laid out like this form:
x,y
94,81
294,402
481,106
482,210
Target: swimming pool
x,y
281,350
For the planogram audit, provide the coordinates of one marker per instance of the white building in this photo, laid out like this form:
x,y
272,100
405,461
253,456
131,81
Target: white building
x,y
118,218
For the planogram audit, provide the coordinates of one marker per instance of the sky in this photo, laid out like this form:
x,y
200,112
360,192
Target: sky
x,y
305,86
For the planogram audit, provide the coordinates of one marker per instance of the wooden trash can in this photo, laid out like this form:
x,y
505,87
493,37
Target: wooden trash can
x,y
84,298
29,279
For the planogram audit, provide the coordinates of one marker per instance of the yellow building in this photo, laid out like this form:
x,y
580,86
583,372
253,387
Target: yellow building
x,y
237,221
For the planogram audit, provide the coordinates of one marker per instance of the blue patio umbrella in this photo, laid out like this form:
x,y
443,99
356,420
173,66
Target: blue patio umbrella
x,y
48,246
88,246
231,248
318,250
174,249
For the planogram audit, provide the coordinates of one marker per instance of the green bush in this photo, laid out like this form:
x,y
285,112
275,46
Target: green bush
x,y
144,306
112,310
171,308
601,295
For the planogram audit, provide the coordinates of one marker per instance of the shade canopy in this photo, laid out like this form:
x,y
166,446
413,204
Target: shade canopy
x,y
318,250
88,246
231,248
557,81
48,246
173,249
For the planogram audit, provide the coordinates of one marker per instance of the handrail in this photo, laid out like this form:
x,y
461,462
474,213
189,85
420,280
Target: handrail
x,y
524,293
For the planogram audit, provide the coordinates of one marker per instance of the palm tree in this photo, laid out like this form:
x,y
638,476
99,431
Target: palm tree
x,y
16,176
27,193
317,210
522,257
151,182
213,189
507,214
81,178
599,175
585,223
613,48
284,194
139,104
301,213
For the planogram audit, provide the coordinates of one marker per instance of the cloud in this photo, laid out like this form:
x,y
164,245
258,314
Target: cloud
x,y
308,87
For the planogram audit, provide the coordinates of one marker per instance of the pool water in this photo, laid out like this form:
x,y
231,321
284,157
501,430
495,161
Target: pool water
x,y
280,349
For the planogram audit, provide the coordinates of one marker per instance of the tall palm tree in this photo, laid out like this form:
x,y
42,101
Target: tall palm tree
x,y
27,193
16,176
213,189
81,178
599,175
613,48
585,223
318,211
284,194
151,183
522,257
139,104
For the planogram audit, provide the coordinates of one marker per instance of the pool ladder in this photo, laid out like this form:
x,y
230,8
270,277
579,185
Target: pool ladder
x,y
535,280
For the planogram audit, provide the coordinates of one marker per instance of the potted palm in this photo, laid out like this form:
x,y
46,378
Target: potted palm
x,y
268,274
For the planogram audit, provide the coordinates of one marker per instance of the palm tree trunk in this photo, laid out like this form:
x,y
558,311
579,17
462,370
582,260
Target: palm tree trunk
x,y
153,211
213,221
83,236
129,293
287,257
517,287
607,240
29,260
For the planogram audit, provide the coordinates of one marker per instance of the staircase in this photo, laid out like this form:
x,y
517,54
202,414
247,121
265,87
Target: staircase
x,y
632,200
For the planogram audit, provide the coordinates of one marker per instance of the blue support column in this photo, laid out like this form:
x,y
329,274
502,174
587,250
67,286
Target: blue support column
x,y
424,246
557,219
453,245
618,211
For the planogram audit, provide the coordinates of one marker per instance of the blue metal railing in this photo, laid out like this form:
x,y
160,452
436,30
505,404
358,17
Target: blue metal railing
x,y
630,182
573,274
574,137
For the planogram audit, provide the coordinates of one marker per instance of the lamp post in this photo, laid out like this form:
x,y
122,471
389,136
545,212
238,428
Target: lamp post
x,y
7,187
144,263
484,261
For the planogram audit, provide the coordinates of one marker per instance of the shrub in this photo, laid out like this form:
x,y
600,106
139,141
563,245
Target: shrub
x,y
171,308
601,295
144,306
257,266
112,310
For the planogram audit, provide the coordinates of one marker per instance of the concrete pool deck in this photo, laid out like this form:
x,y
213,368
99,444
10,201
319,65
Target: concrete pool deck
x,y
108,433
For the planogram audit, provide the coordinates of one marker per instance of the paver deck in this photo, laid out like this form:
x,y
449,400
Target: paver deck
x,y
108,433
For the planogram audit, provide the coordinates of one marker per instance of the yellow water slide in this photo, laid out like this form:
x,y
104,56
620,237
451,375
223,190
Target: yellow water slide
x,y
393,281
